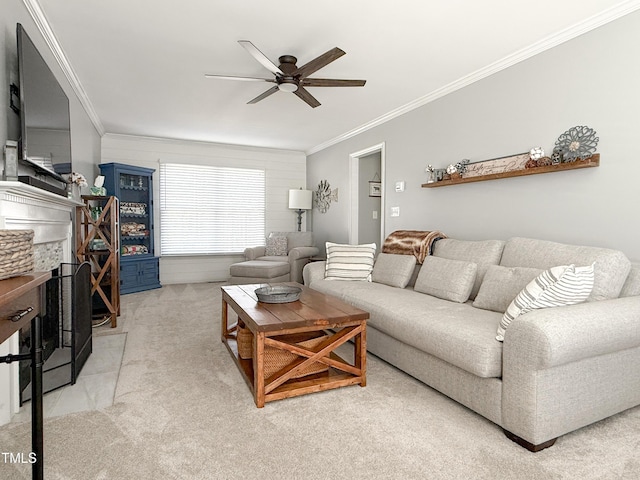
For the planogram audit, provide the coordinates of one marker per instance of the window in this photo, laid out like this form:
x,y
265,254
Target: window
x,y
210,210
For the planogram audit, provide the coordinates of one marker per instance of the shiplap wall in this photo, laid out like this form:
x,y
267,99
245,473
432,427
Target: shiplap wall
x,y
284,170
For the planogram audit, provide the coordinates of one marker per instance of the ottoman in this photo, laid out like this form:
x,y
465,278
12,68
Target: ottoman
x,y
259,271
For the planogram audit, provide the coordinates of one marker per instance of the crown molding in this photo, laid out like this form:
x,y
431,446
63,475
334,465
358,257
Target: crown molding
x,y
551,41
52,42
205,143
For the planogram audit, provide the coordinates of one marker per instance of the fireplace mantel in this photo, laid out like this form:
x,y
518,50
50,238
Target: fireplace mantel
x,y
50,216
22,204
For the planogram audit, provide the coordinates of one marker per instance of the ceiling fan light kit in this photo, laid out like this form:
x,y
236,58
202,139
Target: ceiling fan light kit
x,y
288,86
291,78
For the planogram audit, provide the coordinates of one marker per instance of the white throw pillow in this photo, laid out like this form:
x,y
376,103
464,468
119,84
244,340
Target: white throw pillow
x,y
349,262
448,279
556,287
393,269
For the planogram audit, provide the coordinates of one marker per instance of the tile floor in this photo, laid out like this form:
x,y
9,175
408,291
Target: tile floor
x,y
95,387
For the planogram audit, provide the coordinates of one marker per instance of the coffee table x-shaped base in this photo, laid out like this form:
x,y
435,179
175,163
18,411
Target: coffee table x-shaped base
x,y
280,327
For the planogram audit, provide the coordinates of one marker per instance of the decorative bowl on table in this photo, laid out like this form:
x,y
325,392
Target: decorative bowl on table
x,y
278,294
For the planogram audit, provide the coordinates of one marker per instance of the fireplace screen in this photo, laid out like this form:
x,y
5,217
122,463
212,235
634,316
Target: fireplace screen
x,y
66,329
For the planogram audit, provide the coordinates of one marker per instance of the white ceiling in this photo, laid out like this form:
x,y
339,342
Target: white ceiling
x,y
142,62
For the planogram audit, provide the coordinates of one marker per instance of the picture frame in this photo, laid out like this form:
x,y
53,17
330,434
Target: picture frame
x,y
375,189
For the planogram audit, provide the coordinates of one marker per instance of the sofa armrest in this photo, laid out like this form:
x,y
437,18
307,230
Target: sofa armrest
x,y
302,252
567,367
313,271
252,253
556,336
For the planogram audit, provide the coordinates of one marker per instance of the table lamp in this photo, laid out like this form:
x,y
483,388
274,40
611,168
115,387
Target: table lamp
x,y
300,200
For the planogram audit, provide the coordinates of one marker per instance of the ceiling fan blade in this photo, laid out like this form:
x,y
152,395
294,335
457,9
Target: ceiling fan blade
x,y
261,57
307,97
243,79
319,62
264,95
331,82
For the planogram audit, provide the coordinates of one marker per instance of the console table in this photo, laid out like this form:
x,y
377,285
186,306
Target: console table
x,y
20,300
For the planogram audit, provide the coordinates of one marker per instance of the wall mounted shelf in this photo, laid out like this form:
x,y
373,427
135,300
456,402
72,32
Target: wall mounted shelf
x,y
593,161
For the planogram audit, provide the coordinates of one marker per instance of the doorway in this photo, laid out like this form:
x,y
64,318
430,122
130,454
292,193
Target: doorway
x,y
366,180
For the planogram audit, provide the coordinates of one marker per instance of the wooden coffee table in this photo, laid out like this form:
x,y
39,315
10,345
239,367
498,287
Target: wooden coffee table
x,y
280,326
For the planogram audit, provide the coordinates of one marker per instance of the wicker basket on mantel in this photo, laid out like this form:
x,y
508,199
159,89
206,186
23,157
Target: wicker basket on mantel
x,y
16,253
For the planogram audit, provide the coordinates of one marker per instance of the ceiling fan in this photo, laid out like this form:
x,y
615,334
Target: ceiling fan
x,y
291,78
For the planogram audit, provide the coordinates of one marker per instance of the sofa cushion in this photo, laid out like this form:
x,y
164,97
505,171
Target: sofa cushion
x,y
631,285
447,279
393,269
457,333
276,246
501,285
483,253
277,258
611,266
349,262
556,287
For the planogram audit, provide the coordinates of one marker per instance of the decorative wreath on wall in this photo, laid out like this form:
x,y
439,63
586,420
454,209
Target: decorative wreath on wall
x,y
323,196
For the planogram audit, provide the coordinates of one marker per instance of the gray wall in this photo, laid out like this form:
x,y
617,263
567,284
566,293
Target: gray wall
x,y
85,140
592,80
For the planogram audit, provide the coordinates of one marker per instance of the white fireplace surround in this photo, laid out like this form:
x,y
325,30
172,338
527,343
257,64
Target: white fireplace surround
x,y
50,216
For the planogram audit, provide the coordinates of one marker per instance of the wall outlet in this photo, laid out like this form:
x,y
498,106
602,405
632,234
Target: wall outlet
x,y
395,211
375,215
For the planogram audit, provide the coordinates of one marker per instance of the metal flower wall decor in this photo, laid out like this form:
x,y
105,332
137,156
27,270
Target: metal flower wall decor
x,y
577,142
323,196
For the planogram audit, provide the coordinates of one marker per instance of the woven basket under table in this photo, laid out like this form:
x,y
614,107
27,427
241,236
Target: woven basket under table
x,y
16,253
244,339
276,359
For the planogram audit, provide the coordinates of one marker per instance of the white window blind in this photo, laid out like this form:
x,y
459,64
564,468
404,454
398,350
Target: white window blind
x,y
210,210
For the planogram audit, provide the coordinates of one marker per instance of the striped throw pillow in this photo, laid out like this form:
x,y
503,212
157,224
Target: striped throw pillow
x,y
556,287
349,262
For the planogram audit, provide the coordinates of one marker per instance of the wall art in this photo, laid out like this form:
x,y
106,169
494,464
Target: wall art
x,y
375,189
577,142
324,195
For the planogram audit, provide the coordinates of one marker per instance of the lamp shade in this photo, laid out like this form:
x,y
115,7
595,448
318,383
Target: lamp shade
x,y
300,199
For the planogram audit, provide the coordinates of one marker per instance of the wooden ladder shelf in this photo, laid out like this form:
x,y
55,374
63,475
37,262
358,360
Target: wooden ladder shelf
x,y
97,242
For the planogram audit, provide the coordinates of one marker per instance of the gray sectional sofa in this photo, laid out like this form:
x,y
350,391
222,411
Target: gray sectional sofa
x,y
557,370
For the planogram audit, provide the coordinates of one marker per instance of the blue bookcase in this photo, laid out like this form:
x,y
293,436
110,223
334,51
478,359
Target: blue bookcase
x,y
139,267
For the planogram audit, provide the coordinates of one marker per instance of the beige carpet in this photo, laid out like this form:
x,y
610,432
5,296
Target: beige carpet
x,y
182,411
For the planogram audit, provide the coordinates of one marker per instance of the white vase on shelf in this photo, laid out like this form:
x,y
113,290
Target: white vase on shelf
x,y
74,191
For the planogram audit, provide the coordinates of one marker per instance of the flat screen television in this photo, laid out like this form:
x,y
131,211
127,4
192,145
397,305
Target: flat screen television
x,y
45,140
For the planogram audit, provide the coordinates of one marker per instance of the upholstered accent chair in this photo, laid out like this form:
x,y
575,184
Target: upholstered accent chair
x,y
299,249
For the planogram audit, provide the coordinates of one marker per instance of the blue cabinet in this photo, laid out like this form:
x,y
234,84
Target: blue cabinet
x,y
139,267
